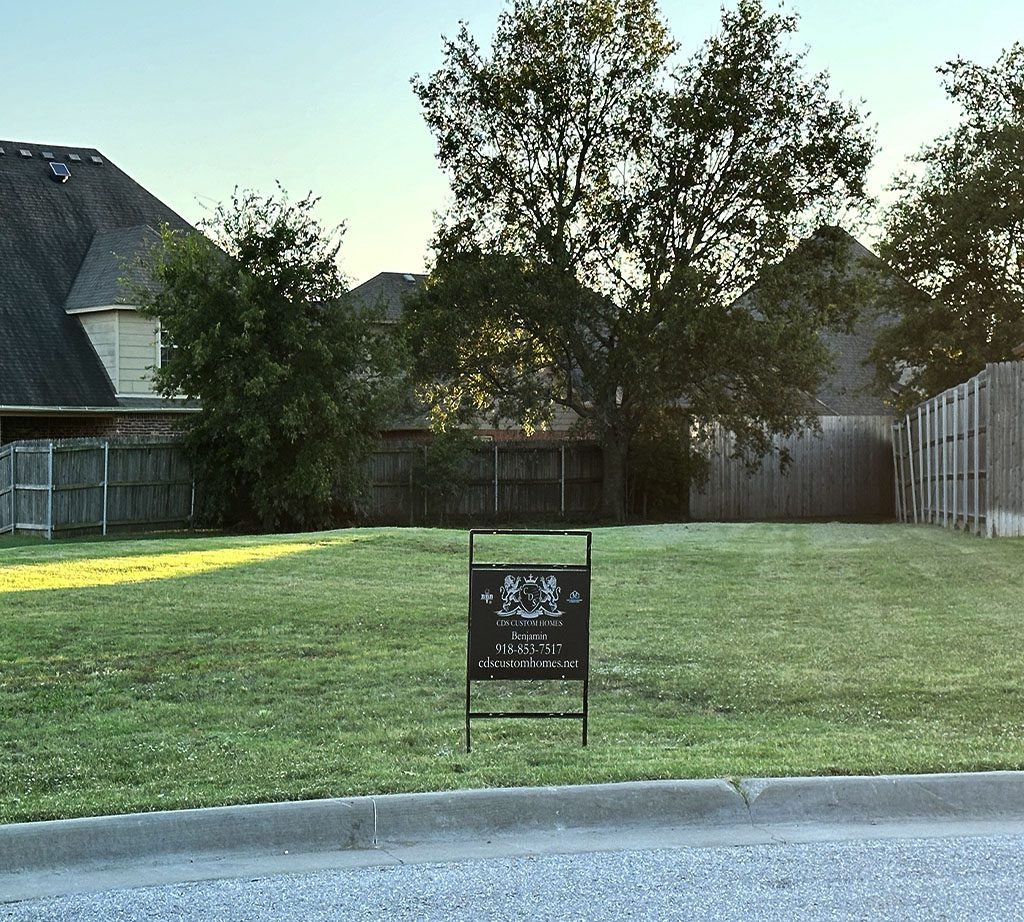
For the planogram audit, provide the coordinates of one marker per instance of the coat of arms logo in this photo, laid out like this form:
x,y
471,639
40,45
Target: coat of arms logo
x,y
529,596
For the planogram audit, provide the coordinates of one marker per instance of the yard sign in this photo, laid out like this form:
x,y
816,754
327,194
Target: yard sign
x,y
528,621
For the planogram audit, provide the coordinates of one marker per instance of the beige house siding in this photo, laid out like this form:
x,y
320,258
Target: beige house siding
x,y
127,343
101,328
139,353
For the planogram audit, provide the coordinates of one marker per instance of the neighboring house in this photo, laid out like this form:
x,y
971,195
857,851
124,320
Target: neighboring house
x,y
386,293
844,468
848,391
849,388
76,358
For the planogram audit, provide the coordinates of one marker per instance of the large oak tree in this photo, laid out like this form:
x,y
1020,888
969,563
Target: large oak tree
x,y
609,204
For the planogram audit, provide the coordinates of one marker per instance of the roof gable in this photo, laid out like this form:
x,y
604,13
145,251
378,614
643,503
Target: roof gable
x,y
849,388
387,290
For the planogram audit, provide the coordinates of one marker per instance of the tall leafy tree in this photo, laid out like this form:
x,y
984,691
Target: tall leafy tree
x,y
610,204
293,379
956,231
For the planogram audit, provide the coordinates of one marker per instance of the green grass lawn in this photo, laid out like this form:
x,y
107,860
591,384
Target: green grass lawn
x,y
181,672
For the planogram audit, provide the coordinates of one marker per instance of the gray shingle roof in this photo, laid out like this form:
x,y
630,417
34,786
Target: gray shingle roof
x,y
849,389
112,268
387,290
46,231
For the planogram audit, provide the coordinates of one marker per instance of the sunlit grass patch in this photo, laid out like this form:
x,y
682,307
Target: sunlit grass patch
x,y
139,568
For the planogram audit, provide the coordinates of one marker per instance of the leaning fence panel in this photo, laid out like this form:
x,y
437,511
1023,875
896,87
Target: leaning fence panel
x,y
966,448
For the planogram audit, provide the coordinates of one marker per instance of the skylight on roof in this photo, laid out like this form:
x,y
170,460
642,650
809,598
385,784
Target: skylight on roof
x,y
74,158
96,159
25,153
409,277
47,154
61,173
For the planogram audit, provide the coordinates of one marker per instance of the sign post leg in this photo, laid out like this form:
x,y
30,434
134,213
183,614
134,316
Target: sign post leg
x,y
586,682
469,744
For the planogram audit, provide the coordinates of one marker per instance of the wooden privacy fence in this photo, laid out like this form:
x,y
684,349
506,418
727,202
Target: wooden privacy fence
x,y
83,485
496,480
844,471
959,457
87,485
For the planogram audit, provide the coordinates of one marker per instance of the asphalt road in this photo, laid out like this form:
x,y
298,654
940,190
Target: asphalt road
x,y
953,878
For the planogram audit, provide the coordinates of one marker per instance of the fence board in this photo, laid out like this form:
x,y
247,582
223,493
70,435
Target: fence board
x,y
845,471
7,496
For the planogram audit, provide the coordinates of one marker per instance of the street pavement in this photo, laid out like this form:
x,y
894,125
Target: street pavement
x,y
807,877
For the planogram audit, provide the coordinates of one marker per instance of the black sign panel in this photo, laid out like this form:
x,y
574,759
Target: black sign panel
x,y
528,622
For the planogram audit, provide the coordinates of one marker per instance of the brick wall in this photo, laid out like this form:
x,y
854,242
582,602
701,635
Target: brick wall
x,y
15,428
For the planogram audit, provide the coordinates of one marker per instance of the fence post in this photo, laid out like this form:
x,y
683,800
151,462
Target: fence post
x,y
930,438
922,457
910,461
495,476
561,477
426,495
896,473
106,480
412,492
977,466
989,523
956,456
902,474
14,491
49,492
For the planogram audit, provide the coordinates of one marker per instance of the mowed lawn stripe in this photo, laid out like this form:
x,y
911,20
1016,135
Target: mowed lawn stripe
x,y
338,669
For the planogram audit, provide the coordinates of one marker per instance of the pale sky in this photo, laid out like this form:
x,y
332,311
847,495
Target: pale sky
x,y
193,98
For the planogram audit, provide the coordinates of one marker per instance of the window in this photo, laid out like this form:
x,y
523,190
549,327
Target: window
x,y
166,347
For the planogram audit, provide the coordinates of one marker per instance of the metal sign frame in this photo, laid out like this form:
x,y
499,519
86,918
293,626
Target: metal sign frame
x,y
542,597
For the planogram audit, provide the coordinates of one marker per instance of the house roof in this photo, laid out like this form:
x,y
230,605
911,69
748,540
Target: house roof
x,y
113,267
849,388
48,229
847,391
388,290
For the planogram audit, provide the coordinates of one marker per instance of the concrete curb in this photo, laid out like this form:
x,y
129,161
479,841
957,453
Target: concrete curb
x,y
975,797
366,823
308,826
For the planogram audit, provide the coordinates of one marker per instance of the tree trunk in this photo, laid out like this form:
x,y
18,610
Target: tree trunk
x,y
613,480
